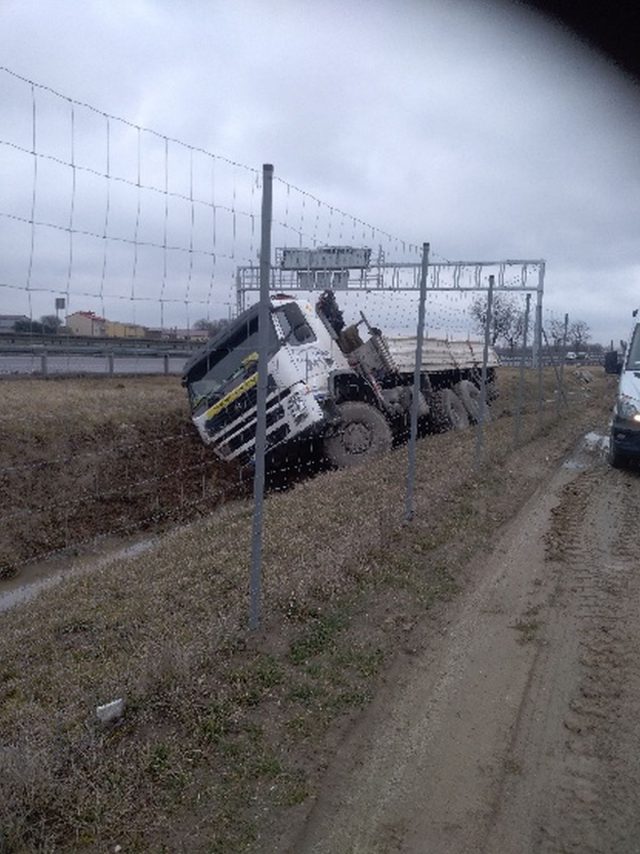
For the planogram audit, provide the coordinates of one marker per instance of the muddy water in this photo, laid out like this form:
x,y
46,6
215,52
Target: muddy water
x,y
40,575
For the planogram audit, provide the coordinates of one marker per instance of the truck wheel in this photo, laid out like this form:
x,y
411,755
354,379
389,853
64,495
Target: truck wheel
x,y
363,433
470,395
448,411
493,392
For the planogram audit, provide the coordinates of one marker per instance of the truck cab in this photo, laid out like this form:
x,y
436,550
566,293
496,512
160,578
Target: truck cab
x,y
624,442
221,379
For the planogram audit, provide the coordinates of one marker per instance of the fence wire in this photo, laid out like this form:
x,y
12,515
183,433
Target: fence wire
x,y
147,238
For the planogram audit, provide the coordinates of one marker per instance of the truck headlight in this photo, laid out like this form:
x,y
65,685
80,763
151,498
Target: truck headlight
x,y
628,408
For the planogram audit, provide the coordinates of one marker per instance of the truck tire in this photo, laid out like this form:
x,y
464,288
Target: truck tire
x,y
448,411
364,433
493,392
470,395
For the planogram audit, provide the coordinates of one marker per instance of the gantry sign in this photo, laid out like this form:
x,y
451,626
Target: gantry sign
x,y
347,268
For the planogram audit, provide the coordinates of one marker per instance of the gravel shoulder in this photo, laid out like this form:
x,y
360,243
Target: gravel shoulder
x,y
514,728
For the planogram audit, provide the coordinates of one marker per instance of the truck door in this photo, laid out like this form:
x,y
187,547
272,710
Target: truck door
x,y
309,359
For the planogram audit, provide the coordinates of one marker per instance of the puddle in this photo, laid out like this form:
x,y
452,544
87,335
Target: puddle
x,y
591,443
574,465
596,442
40,575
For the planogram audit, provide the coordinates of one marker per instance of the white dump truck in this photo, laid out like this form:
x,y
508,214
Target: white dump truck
x,y
351,387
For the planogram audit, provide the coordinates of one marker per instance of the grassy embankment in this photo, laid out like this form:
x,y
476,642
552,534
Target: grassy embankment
x,y
225,732
81,458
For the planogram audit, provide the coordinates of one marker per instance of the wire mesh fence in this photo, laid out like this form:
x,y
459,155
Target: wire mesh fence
x,y
140,238
116,219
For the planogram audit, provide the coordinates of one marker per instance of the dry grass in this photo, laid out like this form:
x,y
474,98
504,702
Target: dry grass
x,y
40,406
222,727
80,458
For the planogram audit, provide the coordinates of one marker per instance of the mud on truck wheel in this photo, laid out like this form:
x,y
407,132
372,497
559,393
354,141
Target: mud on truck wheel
x,y
448,411
364,433
470,395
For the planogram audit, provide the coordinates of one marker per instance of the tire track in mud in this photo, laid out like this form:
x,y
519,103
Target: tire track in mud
x,y
593,805
518,729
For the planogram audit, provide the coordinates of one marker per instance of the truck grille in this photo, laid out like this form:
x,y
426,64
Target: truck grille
x,y
231,414
248,434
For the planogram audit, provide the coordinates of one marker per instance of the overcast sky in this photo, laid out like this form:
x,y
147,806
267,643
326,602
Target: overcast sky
x,y
478,127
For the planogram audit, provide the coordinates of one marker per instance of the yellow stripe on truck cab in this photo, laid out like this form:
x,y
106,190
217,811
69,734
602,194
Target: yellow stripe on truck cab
x,y
233,395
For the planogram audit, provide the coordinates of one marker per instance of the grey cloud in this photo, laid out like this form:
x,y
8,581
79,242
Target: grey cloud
x,y
480,128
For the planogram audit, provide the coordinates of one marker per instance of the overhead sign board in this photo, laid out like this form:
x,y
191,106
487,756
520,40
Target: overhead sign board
x,y
319,280
326,258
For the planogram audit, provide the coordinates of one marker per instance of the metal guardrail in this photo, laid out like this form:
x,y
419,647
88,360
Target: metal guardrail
x,y
24,354
44,356
550,360
19,342
47,364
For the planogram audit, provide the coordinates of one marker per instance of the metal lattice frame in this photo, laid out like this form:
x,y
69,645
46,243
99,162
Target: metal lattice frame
x,y
511,275
524,276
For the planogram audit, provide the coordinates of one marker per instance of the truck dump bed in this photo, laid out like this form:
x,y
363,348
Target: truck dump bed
x,y
439,354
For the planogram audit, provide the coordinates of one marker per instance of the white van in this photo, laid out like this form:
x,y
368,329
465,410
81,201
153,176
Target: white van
x,y
624,443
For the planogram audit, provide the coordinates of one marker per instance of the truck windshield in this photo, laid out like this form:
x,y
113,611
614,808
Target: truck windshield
x,y
295,328
232,359
633,363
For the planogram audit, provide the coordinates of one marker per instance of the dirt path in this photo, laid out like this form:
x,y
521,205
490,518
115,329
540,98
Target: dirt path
x,y
516,727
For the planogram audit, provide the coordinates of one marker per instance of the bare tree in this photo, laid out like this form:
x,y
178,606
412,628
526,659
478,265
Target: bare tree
x,y
507,320
31,326
50,324
579,334
517,333
556,333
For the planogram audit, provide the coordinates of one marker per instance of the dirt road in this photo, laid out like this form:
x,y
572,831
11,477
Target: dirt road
x,y
515,726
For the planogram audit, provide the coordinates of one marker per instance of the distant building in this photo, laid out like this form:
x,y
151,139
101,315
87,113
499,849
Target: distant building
x,y
87,323
8,321
91,325
115,329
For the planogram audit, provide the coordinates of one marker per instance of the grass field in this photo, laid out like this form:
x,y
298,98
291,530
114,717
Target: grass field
x,y
81,458
225,732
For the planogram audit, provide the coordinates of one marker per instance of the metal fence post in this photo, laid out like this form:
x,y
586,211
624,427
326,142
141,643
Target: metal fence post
x,y
521,375
564,356
561,395
417,373
44,364
485,359
264,319
538,346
